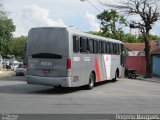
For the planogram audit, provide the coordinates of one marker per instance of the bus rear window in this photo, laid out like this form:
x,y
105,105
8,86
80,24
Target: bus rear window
x,y
47,56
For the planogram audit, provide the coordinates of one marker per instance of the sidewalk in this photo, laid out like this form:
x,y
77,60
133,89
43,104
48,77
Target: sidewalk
x,y
5,73
153,79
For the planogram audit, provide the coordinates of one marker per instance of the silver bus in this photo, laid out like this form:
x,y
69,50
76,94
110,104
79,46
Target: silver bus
x,y
66,57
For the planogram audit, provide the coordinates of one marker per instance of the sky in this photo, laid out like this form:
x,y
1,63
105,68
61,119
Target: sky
x,y
27,14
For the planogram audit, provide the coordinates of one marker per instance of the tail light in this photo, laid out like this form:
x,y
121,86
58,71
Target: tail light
x,y
69,63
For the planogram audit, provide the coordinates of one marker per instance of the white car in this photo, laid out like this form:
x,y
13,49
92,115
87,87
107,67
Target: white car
x,y
14,66
20,70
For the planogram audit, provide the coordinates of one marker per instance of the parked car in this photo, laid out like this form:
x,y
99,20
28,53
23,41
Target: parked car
x,y
14,65
20,70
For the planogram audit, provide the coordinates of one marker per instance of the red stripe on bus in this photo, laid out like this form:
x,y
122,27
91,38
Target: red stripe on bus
x,y
98,77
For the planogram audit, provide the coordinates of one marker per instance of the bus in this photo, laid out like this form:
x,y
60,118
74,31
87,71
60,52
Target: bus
x,y
67,57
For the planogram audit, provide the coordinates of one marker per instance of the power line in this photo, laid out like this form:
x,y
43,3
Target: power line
x,y
92,5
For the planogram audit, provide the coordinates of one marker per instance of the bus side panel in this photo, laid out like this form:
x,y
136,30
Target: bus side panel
x,y
76,70
107,62
115,65
82,66
100,72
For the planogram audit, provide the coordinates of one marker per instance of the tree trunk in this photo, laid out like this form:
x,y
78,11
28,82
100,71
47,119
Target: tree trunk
x,y
147,56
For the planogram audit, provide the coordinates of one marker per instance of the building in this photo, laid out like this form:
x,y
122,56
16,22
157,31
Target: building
x,y
156,62
136,56
137,49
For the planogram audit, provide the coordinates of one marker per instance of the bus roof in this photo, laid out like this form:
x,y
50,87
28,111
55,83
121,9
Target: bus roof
x,y
75,31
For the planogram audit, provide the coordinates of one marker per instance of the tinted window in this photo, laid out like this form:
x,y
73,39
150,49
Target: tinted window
x,y
20,66
90,45
83,44
107,48
114,48
111,48
122,47
118,49
96,46
103,47
75,44
100,47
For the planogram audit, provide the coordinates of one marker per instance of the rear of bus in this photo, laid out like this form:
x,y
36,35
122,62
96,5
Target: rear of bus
x,y
48,57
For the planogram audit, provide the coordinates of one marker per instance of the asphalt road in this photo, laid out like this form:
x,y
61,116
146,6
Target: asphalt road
x,y
124,96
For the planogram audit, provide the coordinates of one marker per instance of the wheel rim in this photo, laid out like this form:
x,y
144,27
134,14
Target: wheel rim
x,y
91,84
134,76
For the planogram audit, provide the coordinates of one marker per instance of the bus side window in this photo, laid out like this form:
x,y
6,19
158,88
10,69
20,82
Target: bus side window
x,y
111,48
90,45
100,46
118,49
75,44
122,47
107,50
103,47
108,47
115,48
96,46
83,44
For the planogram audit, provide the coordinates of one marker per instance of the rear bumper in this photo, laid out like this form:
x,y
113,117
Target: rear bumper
x,y
49,81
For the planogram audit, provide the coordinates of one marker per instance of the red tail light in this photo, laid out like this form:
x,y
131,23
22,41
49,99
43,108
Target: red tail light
x,y
69,63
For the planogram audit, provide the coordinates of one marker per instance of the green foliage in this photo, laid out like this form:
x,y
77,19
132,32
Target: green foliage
x,y
111,24
17,46
154,37
128,38
6,29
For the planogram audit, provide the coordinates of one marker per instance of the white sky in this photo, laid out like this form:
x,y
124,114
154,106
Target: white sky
x,y
39,13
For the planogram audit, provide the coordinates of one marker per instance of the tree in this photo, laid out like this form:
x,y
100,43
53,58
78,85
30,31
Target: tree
x,y
112,23
131,38
2,12
148,10
6,29
17,46
127,38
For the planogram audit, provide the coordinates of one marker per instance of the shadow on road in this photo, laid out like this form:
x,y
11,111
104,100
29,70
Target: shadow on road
x,y
38,89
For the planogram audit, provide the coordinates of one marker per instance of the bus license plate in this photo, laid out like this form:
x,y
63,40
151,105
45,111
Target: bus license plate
x,y
46,71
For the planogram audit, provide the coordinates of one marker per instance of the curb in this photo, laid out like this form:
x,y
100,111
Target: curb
x,y
143,79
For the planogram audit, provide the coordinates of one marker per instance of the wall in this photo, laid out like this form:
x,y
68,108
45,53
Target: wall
x,y
136,62
156,65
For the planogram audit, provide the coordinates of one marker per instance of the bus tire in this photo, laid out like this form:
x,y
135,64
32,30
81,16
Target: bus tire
x,y
115,78
91,82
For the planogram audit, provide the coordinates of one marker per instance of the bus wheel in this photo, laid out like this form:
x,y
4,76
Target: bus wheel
x,y
115,79
91,81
